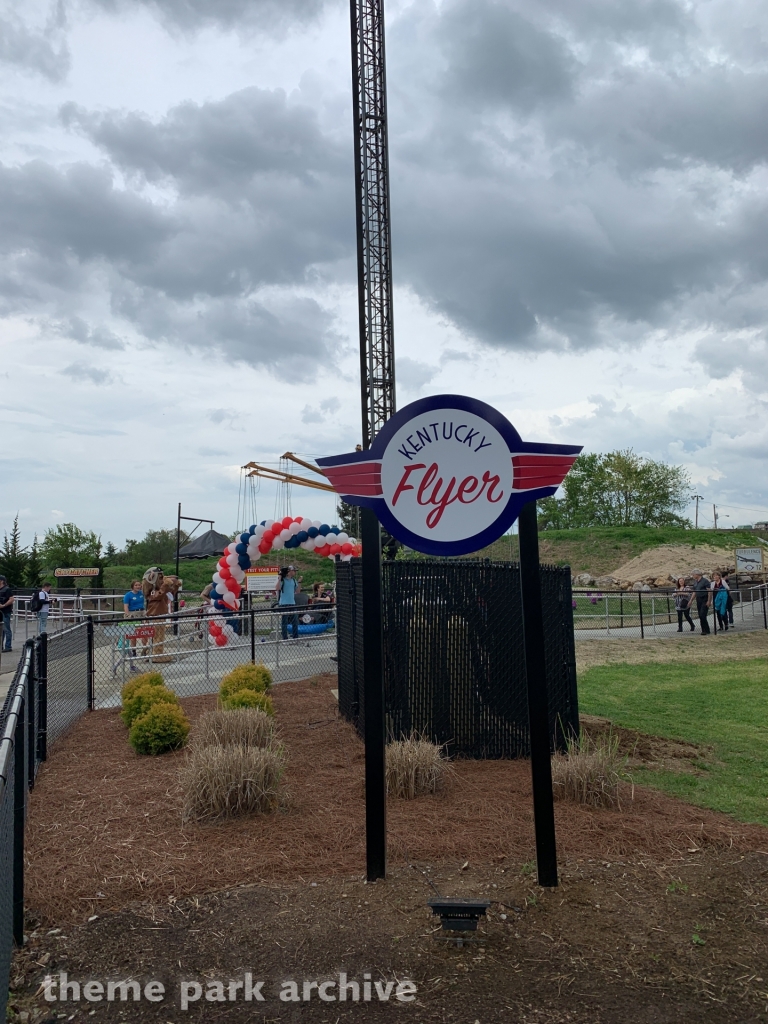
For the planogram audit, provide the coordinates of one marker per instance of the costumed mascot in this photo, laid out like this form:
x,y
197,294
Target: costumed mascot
x,y
156,587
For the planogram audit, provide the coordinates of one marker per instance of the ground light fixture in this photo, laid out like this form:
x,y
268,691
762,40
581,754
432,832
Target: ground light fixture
x,y
458,915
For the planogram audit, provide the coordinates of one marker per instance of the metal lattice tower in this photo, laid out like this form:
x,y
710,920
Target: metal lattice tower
x,y
374,252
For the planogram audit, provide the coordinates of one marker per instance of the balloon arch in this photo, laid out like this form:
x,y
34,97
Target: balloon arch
x,y
270,535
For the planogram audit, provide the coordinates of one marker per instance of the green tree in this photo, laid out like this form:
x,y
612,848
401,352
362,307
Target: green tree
x,y
34,576
157,546
110,554
13,557
618,488
349,518
66,546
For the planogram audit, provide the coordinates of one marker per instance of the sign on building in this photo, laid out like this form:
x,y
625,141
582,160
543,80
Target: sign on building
x,y
76,572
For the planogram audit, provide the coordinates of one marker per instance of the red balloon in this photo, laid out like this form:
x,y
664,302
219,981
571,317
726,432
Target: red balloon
x,y
298,519
268,536
215,630
335,549
220,640
320,548
232,586
287,522
264,547
346,548
225,572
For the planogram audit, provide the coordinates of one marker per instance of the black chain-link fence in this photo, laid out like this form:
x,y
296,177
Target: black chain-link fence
x,y
67,674
454,665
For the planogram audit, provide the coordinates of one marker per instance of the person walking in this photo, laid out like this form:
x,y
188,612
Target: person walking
x,y
287,589
43,607
720,591
6,609
730,599
683,599
703,595
133,608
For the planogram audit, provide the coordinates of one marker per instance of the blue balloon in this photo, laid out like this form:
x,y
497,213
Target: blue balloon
x,y
251,530
244,538
335,529
244,561
325,529
313,532
290,543
302,535
241,548
263,522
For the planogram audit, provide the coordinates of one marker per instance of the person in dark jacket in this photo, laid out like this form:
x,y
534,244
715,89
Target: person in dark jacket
x,y
703,594
6,609
720,593
683,600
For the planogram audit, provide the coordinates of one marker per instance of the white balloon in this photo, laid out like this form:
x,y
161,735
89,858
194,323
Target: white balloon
x,y
342,538
278,543
316,523
232,559
285,535
220,588
232,547
217,577
294,528
352,540
238,574
305,524
256,555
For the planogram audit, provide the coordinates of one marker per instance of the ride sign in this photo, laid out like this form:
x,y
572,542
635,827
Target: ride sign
x,y
447,475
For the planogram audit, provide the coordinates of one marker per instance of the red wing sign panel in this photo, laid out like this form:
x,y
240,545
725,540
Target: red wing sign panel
x,y
449,474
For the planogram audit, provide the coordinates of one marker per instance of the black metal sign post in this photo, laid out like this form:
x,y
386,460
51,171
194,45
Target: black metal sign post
x,y
538,705
373,700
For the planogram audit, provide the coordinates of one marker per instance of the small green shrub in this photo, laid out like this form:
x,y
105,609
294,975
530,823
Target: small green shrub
x,y
248,699
145,679
246,677
164,727
143,699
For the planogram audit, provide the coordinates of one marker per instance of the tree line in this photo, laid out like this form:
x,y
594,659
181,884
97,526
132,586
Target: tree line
x,y
67,546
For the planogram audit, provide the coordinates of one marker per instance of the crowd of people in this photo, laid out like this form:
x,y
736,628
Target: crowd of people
x,y
704,594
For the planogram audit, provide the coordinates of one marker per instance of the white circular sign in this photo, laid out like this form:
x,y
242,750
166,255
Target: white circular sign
x,y
446,475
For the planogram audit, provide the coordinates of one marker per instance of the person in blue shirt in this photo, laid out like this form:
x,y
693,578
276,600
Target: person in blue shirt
x,y
287,589
133,608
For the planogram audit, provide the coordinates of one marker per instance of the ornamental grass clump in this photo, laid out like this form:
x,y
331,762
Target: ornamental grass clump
x,y
257,678
415,766
248,699
162,728
224,781
590,772
143,699
245,727
145,679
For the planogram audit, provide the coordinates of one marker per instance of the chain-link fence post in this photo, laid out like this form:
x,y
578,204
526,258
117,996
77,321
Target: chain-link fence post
x,y
42,697
31,716
90,666
253,635
640,602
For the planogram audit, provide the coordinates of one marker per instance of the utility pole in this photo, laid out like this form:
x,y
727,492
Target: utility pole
x,y
697,497
714,514
377,380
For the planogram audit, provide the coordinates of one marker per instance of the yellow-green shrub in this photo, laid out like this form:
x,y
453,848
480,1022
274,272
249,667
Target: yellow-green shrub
x,y
145,679
143,699
248,699
246,677
164,727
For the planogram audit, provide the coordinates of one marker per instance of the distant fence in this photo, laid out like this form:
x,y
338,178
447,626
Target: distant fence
x,y
454,665
599,614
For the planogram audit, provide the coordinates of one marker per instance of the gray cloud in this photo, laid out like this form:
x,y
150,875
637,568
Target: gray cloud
x,y
41,50
310,414
245,16
98,337
82,372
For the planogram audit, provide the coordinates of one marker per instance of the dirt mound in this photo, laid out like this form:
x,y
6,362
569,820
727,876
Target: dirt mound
x,y
673,560
643,751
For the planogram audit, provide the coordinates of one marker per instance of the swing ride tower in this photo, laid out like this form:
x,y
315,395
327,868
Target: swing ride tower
x,y
374,248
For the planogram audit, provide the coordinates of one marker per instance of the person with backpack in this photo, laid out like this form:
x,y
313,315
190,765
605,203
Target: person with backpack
x,y
40,603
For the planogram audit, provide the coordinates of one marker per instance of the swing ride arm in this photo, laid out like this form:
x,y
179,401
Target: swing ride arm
x,y
253,469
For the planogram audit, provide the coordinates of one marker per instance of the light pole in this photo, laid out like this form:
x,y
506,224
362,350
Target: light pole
x,y
697,497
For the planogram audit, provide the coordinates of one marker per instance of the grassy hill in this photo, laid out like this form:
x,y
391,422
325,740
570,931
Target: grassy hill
x,y
603,548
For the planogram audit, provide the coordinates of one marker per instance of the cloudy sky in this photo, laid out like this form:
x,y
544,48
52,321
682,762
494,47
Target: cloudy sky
x,y
579,211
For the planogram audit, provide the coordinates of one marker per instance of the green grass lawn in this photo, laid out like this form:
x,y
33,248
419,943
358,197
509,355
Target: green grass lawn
x,y
725,705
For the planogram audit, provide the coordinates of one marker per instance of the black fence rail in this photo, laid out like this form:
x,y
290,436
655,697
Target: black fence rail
x,y
454,666
599,614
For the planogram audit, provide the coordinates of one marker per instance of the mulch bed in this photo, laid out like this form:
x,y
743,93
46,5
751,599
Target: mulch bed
x,y
105,826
